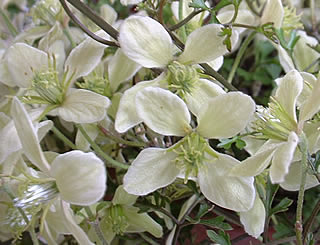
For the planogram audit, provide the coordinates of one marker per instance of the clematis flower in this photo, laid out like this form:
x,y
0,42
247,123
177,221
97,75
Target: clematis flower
x,y
146,42
74,177
48,85
281,127
192,157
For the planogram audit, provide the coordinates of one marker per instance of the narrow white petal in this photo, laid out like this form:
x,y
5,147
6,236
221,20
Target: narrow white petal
x,y
80,177
205,44
312,104
120,69
290,87
28,136
285,60
84,58
254,219
235,193
163,111
127,116
282,159
83,106
74,228
203,91
217,63
23,61
145,41
152,169
255,164
293,178
225,115
273,12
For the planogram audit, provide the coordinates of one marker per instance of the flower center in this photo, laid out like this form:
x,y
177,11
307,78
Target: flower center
x,y
116,217
291,20
182,78
190,154
46,11
274,122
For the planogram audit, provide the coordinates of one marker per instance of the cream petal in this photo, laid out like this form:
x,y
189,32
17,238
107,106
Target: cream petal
x,y
80,177
108,13
282,159
225,115
145,41
255,164
312,131
123,198
201,93
84,58
142,222
205,44
273,12
23,61
83,106
235,193
254,219
293,178
285,60
127,116
28,136
288,91
120,69
217,63
163,111
311,105
152,169
72,226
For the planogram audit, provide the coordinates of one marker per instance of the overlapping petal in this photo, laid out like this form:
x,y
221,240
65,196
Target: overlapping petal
x,y
163,111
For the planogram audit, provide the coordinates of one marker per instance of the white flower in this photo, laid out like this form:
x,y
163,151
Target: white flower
x,y
145,41
74,177
32,68
192,157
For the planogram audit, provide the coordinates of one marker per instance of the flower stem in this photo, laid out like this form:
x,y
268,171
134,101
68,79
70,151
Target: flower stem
x,y
299,225
242,49
95,225
99,151
185,20
62,137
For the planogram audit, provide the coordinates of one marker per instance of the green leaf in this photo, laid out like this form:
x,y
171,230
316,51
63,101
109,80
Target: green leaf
x,y
216,223
203,210
281,206
227,33
222,238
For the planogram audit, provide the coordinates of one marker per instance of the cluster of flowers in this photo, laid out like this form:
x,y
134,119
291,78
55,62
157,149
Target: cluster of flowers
x,y
51,74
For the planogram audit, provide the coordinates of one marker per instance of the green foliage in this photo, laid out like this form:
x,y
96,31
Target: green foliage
x,y
221,238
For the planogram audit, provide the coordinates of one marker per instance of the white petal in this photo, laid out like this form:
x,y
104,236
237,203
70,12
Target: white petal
x,y
285,60
225,115
205,44
200,95
80,177
293,178
83,106
282,159
145,41
152,169
130,2
290,87
123,198
28,136
235,193
312,104
84,58
74,229
312,131
273,12
254,219
24,61
120,69
217,63
127,116
108,13
163,111
255,164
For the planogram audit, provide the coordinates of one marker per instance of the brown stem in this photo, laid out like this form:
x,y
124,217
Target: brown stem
x,y
311,220
185,20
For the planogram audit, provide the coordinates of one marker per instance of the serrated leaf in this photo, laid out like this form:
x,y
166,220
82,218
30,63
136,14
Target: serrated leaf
x,y
281,206
222,238
216,223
